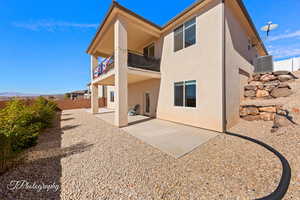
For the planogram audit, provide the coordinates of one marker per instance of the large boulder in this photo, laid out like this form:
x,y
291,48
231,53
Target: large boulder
x,y
269,87
256,77
250,87
282,112
251,117
268,77
262,93
249,110
281,121
284,85
281,73
281,92
284,78
256,83
250,93
269,109
267,116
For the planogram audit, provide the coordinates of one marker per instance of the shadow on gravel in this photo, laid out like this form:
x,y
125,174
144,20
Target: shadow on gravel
x,y
41,169
69,127
286,169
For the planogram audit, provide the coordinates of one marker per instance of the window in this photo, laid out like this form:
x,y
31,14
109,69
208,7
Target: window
x,y
178,38
190,93
185,35
149,51
185,94
112,96
190,33
178,93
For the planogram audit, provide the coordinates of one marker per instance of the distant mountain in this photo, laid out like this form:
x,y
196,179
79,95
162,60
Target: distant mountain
x,y
17,94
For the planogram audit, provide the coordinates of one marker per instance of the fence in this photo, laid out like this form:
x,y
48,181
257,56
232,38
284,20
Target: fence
x,y
67,104
292,64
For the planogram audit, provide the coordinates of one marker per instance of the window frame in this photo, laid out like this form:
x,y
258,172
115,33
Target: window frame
x,y
183,33
184,95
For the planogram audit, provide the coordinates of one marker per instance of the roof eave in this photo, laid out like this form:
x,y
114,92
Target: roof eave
x,y
100,26
243,7
117,5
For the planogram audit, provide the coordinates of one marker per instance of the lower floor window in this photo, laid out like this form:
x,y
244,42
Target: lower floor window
x,y
112,96
185,94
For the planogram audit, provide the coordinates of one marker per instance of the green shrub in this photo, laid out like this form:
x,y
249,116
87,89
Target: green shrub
x,y
22,124
45,111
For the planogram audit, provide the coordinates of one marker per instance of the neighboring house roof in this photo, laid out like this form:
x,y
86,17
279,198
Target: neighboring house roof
x,y
177,17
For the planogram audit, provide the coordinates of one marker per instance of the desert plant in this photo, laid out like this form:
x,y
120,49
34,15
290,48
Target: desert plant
x,y
45,111
23,123
20,124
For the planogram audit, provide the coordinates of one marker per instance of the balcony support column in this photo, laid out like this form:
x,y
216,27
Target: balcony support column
x,y
121,84
94,87
94,99
94,64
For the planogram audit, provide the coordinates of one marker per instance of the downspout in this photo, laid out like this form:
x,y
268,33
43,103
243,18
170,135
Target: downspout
x,y
224,111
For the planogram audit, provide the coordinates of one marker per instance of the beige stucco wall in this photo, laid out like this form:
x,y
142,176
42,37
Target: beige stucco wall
x,y
201,62
136,95
237,56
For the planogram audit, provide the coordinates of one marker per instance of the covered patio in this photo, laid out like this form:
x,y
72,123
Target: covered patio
x,y
121,39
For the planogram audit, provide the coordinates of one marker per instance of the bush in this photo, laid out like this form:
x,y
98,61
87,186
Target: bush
x,y
22,124
45,111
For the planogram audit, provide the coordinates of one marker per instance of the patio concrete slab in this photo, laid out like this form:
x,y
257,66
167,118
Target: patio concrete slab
x,y
174,139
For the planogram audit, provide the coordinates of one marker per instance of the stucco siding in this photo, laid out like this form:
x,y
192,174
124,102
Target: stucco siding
x,y
238,56
136,95
201,62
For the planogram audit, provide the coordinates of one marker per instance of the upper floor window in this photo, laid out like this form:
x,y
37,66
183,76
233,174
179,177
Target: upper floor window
x,y
185,35
149,51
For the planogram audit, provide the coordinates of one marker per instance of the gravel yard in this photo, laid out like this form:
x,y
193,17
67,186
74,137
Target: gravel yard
x,y
90,159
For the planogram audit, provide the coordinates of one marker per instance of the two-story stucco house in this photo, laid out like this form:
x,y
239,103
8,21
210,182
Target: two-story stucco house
x,y
190,71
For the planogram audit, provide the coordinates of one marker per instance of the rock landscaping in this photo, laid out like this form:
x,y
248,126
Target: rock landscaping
x,y
275,113
269,85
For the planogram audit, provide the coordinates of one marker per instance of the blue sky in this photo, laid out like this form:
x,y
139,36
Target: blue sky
x,y
43,43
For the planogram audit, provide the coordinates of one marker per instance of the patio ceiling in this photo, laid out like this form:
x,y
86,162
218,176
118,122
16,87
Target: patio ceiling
x,y
140,33
134,76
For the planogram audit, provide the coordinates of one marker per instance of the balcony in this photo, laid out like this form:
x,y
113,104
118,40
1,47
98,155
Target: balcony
x,y
135,60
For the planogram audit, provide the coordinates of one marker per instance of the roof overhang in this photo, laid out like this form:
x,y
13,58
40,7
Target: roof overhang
x,y
259,43
136,25
105,30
